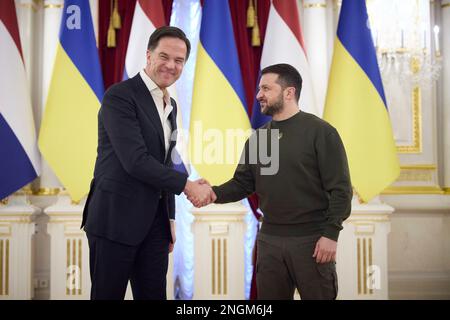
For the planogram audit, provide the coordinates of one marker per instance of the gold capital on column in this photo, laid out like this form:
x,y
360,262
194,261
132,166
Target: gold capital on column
x,y
314,5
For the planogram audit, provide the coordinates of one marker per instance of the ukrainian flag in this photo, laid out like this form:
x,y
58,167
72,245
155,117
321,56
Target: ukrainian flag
x,y
356,104
219,115
68,134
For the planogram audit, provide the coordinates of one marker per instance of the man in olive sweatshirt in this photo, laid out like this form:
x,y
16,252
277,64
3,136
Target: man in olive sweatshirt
x,y
304,203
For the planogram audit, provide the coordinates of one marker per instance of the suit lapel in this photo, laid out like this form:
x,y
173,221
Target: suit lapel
x,y
145,100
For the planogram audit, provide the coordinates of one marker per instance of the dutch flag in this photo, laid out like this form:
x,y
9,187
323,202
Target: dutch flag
x,y
20,159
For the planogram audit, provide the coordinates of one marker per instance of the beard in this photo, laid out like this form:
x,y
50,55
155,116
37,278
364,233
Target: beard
x,y
274,108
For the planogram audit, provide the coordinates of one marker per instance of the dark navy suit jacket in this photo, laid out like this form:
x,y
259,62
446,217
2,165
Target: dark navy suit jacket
x,y
132,174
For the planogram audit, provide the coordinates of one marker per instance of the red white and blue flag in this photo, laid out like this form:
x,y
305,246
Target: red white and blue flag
x,y
20,158
283,43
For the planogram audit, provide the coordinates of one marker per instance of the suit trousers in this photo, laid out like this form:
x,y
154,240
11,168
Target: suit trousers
x,y
113,264
286,263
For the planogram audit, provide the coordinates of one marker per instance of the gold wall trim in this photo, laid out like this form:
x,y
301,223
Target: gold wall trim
x,y
358,262
445,5
2,262
446,190
67,266
82,232
364,271
370,261
31,6
24,220
376,217
416,147
360,225
25,191
213,246
53,6
225,278
80,246
7,268
61,214
4,267
413,190
314,5
219,267
47,192
7,226
419,167
364,261
74,262
206,218
415,175
73,266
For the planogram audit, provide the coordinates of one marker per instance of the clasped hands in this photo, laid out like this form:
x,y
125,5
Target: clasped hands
x,y
199,192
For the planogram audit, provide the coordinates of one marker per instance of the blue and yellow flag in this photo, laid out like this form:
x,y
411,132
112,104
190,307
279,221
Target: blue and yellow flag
x,y
356,104
68,134
219,123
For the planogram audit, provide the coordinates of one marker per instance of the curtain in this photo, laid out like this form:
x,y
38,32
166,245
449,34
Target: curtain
x,y
249,56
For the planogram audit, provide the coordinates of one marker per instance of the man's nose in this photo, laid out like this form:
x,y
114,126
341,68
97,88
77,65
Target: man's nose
x,y
171,64
259,95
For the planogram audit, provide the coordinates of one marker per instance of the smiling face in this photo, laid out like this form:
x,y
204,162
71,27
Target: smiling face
x,y
165,63
270,95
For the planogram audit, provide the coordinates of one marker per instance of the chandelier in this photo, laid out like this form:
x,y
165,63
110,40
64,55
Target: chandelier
x,y
407,48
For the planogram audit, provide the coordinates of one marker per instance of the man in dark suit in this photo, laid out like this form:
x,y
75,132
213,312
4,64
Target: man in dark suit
x,y
130,210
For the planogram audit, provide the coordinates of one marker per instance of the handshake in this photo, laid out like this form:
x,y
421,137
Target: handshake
x,y
199,192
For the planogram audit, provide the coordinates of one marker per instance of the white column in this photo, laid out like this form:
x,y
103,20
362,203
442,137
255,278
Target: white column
x,y
16,249
219,252
362,257
315,31
69,254
51,19
445,51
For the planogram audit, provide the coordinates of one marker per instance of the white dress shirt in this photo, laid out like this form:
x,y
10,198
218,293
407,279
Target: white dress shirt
x,y
158,97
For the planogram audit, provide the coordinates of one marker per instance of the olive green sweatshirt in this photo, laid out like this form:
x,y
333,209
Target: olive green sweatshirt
x,y
310,193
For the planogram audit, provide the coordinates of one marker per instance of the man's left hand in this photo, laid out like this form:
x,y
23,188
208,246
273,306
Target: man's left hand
x,y
325,250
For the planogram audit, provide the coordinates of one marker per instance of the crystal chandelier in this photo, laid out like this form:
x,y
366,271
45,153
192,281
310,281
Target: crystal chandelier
x,y
406,51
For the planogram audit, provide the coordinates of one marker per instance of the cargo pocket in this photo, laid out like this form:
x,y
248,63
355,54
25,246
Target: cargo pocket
x,y
329,281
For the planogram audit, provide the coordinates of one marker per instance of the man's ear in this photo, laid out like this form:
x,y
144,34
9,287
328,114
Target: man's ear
x,y
290,93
